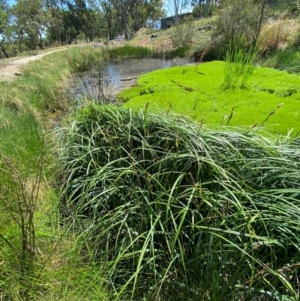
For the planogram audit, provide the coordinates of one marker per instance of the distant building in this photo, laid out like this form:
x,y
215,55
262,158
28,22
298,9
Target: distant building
x,y
170,21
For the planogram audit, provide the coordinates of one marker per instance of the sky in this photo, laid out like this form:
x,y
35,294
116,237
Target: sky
x,y
11,2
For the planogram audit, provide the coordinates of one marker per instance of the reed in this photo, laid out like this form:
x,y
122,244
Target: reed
x,y
128,51
239,64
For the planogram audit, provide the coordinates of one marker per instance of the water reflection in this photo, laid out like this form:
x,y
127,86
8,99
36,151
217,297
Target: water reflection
x,y
137,67
109,79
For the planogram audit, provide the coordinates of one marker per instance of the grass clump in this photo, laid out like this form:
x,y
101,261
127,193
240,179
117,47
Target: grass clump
x,y
83,60
197,91
181,212
178,52
239,64
128,51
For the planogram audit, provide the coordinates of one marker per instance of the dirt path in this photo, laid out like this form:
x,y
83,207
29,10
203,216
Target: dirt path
x,y
12,69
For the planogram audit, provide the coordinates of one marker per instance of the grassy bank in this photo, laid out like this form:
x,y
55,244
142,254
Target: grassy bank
x,y
122,204
38,258
197,91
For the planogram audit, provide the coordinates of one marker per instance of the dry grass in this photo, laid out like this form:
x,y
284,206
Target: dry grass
x,y
163,39
277,35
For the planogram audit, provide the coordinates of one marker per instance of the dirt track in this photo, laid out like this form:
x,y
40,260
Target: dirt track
x,y
12,69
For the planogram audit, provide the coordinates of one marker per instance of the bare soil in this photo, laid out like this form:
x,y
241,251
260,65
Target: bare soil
x,y
10,69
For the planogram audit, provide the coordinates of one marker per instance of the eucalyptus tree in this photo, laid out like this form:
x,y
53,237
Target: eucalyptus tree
x,y
30,20
155,12
2,13
143,11
69,18
55,25
110,16
3,26
130,14
123,7
3,16
77,19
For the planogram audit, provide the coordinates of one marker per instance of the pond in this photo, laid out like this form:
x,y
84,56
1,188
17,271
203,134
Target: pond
x,y
109,79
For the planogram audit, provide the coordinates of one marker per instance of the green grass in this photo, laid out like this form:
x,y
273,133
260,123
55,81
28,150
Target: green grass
x,y
285,59
196,91
129,51
27,108
20,137
152,206
34,262
178,211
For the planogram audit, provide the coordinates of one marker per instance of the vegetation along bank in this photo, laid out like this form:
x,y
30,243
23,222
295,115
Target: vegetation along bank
x,y
187,188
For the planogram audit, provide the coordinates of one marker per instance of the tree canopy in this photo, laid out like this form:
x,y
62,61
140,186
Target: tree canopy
x,y
32,24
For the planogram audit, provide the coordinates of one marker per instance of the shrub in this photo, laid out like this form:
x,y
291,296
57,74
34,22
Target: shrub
x,y
272,37
183,32
239,19
287,59
179,211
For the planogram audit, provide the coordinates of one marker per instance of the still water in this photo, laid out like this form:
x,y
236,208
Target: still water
x,y
111,78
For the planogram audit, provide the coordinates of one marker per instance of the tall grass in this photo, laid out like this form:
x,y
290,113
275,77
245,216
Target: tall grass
x,y
18,203
177,52
34,262
21,167
83,60
180,212
86,59
128,51
239,64
21,137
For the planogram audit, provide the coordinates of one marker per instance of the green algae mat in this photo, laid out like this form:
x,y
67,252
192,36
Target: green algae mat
x,y
269,103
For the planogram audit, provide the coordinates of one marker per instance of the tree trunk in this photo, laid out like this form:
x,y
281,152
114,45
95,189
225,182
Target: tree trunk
x,y
125,25
259,25
2,47
207,5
